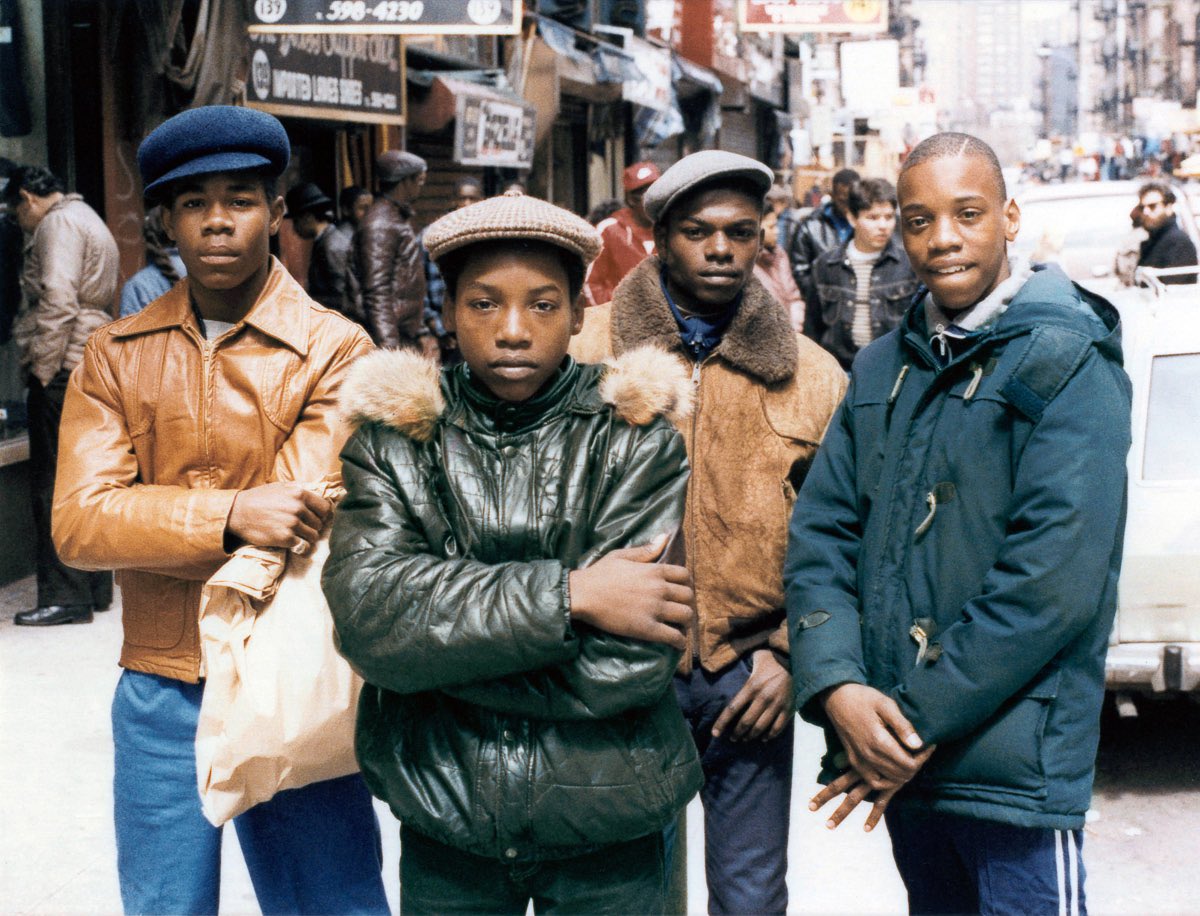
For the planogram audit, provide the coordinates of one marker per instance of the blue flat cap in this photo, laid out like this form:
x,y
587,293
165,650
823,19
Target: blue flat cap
x,y
215,138
707,167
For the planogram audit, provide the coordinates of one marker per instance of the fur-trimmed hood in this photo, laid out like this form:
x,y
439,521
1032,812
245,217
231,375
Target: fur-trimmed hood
x,y
760,339
403,389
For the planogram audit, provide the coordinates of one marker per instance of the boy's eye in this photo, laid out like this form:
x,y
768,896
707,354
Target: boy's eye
x,y
693,234
481,304
191,203
916,222
545,305
971,214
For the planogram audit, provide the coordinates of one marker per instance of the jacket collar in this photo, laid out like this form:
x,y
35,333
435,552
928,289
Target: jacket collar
x,y
759,340
280,312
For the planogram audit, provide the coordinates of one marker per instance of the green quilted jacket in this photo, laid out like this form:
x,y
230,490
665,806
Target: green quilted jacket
x,y
490,721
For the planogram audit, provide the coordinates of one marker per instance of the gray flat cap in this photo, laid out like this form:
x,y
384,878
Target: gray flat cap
x,y
705,167
396,165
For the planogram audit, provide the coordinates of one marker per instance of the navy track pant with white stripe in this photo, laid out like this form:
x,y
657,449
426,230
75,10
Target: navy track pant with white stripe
x,y
952,864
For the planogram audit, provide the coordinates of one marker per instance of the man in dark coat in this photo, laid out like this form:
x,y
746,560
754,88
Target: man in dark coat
x,y
311,212
825,228
388,277
1168,245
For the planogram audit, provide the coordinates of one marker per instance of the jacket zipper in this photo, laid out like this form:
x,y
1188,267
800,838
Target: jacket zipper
x,y
694,629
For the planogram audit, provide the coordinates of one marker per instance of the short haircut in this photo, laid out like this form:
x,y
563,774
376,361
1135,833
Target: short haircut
x,y
349,197
167,194
1161,187
949,145
38,181
468,181
845,176
453,263
868,193
743,186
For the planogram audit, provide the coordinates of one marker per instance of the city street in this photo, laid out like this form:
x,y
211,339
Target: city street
x,y
57,853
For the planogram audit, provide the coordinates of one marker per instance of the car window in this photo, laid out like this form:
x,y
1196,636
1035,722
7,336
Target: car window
x,y
1172,450
1090,229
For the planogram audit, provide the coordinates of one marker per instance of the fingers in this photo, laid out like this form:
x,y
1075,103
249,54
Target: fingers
x,y
668,636
878,808
316,504
678,575
679,594
852,800
674,614
731,713
899,725
842,784
646,553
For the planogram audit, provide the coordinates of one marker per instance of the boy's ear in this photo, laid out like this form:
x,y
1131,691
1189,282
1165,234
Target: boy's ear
x,y
1012,220
577,312
449,318
277,210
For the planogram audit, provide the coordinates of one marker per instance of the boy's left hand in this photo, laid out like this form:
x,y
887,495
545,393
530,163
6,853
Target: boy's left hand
x,y
857,790
764,705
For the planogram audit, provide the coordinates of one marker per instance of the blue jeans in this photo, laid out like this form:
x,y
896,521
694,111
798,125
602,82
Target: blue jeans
x,y
747,797
952,864
310,850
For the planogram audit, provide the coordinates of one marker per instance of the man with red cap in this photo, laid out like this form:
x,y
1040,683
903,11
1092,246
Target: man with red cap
x,y
628,235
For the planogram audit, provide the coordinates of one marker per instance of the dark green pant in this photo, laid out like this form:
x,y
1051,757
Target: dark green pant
x,y
438,879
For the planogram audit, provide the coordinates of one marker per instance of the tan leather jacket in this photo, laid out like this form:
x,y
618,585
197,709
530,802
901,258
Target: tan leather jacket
x,y
69,280
763,401
160,431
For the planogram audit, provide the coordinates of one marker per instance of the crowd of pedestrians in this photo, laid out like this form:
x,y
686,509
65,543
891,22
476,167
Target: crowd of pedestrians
x,y
620,501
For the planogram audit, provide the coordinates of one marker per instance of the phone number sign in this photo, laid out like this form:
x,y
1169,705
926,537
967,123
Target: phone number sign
x,y
397,17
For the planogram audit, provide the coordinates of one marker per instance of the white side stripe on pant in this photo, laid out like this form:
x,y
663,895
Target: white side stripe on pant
x,y
1067,872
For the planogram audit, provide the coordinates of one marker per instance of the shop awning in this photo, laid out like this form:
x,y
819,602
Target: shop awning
x,y
434,109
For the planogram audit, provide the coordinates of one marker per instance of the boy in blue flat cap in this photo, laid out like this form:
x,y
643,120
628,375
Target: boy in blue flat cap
x,y
188,431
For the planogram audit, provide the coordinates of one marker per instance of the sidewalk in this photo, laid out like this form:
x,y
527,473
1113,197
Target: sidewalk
x,y
58,856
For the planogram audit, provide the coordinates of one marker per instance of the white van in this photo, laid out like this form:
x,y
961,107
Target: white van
x,y
1155,644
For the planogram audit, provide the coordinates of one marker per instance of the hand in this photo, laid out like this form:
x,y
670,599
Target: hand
x,y
858,790
764,705
879,740
278,515
627,594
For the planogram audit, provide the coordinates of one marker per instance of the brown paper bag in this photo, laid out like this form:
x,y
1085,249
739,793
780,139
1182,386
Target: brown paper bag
x,y
279,702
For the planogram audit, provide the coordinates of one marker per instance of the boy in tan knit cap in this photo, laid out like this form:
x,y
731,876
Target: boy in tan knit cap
x,y
492,576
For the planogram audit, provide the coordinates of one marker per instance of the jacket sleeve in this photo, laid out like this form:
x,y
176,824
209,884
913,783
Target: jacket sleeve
x,y
1066,522
803,253
59,245
409,285
819,571
814,311
377,241
409,620
103,517
610,674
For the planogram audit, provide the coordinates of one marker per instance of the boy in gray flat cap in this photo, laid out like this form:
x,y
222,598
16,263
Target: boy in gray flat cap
x,y
387,276
764,395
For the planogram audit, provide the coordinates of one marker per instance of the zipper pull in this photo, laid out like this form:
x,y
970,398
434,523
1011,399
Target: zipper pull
x,y
696,373
896,388
917,632
977,373
932,503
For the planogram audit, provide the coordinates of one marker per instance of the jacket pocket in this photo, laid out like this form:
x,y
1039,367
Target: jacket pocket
x,y
155,608
1006,752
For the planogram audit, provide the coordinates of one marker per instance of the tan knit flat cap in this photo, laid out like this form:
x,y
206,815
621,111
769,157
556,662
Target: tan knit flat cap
x,y
512,215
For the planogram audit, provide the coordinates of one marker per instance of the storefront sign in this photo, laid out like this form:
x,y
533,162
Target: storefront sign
x,y
397,17
652,89
492,131
813,16
332,77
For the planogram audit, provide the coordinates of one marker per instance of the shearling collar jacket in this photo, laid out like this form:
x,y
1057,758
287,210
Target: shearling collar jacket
x,y
489,720
160,431
763,400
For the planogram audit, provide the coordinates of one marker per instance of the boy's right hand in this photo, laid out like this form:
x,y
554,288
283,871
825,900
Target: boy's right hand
x,y
627,593
282,514
881,743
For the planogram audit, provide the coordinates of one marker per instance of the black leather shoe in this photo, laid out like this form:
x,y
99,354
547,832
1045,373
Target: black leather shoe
x,y
100,610
53,615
